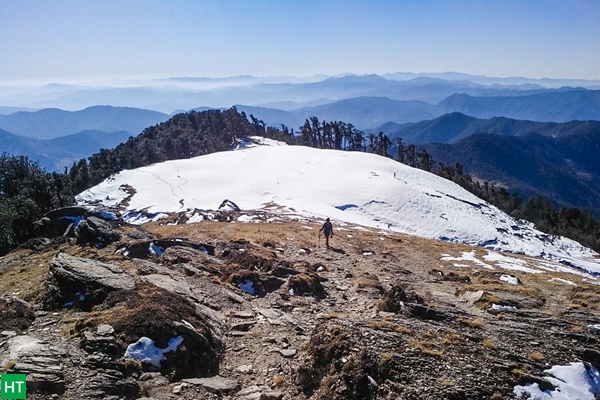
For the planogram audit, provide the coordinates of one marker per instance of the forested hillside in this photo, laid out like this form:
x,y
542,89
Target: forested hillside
x,y
564,169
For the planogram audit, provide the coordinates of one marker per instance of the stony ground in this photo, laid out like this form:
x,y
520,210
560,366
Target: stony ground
x,y
377,316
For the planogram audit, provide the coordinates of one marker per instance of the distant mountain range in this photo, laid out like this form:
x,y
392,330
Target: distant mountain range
x,y
559,106
287,93
51,123
374,112
56,154
450,128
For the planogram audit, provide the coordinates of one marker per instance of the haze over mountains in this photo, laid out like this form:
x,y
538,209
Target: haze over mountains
x,y
51,122
169,95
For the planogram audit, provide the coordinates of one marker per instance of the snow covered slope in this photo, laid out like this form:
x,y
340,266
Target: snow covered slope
x,y
350,187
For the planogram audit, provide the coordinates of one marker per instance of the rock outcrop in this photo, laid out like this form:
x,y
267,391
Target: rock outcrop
x,y
82,283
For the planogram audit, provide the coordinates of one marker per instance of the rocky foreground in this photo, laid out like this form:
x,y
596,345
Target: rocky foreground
x,y
264,311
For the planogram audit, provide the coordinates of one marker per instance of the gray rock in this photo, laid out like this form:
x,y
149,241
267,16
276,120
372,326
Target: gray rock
x,y
216,384
247,391
40,361
243,326
105,330
242,314
95,231
99,343
82,282
244,369
168,283
271,395
288,353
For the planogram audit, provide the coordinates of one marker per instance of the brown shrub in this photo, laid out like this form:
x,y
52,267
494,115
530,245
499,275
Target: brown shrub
x,y
307,283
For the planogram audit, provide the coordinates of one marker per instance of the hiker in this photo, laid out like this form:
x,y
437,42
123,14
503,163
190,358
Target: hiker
x,y
327,229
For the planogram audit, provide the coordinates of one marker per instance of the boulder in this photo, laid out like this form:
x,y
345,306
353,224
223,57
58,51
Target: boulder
x,y
81,282
161,315
96,232
216,384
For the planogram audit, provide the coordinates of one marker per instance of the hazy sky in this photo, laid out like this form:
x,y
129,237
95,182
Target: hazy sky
x,y
87,40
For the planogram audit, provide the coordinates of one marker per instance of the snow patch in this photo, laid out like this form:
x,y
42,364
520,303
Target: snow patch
x,y
467,256
145,350
561,280
107,215
509,263
576,381
140,218
513,280
499,307
248,218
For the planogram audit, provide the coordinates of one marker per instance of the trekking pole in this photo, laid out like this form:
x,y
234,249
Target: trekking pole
x,y
319,233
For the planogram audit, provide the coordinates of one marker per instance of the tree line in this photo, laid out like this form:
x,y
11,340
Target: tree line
x,y
27,191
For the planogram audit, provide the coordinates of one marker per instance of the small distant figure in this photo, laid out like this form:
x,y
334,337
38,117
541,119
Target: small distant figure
x,y
327,229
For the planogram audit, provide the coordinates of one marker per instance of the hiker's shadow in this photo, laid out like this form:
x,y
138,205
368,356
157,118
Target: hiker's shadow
x,y
339,251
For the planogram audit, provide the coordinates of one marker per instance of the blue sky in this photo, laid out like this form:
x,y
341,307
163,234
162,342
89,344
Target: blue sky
x,y
84,40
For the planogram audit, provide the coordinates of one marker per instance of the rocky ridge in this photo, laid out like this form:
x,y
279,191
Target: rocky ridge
x,y
265,312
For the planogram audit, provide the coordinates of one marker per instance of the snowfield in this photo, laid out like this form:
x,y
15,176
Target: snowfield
x,y
348,187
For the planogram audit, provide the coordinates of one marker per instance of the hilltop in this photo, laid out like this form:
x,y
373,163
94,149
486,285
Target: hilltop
x,y
350,187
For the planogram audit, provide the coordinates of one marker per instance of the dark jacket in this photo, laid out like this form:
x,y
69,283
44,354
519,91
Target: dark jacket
x,y
327,228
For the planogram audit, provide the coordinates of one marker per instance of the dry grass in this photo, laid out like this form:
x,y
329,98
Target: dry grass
x,y
452,338
428,334
489,344
278,380
377,325
447,383
385,357
426,347
403,329
335,329
535,356
8,365
585,296
473,323
496,396
25,273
